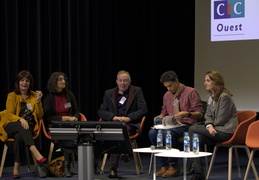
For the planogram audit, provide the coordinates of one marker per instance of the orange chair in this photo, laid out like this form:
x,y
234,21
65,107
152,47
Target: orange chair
x,y
136,156
245,118
53,141
252,139
10,141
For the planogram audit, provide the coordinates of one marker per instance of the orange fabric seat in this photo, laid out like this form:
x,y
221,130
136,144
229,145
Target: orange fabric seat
x,y
252,141
245,118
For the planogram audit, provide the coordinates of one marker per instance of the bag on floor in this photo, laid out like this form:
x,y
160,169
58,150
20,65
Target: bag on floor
x,y
56,166
41,170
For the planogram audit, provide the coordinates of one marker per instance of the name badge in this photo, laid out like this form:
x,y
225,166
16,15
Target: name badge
x,y
67,105
123,99
175,101
29,106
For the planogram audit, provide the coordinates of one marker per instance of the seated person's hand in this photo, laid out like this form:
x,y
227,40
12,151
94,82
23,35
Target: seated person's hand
x,y
158,120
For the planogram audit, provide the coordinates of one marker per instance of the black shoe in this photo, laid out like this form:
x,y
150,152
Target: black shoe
x,y
113,172
125,158
190,169
198,176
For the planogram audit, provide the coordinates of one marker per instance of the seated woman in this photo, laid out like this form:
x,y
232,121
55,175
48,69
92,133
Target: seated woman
x,y
220,118
23,109
61,105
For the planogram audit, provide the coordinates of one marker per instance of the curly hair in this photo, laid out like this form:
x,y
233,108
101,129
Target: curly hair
x,y
52,82
23,74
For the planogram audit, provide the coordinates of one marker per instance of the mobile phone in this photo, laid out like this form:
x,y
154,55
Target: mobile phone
x,y
158,120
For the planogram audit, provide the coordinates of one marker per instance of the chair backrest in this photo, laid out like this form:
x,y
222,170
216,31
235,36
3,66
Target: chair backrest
x,y
139,131
245,118
37,133
252,136
82,117
46,131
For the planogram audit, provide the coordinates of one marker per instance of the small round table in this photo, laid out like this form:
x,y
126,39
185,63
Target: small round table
x,y
179,154
153,151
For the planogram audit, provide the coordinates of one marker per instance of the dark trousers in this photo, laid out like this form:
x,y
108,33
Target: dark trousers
x,y
68,147
21,137
114,158
205,138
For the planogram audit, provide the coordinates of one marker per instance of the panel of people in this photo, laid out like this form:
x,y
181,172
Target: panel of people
x,y
123,103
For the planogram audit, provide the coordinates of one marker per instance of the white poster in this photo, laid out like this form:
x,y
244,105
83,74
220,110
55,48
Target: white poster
x,y
234,20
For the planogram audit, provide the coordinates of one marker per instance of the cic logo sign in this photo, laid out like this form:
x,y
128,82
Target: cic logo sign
x,y
225,9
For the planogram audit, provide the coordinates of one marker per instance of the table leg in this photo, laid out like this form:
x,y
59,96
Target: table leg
x,y
150,163
154,169
184,167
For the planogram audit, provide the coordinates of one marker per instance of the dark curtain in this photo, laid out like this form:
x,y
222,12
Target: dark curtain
x,y
91,40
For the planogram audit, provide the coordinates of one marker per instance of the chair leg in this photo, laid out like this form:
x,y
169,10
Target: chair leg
x,y
135,146
251,164
3,159
51,148
212,161
103,162
136,156
230,155
237,162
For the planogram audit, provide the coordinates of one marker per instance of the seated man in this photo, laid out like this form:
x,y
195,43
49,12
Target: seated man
x,y
180,103
125,103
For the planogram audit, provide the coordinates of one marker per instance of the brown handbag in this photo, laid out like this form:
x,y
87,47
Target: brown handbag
x,y
56,166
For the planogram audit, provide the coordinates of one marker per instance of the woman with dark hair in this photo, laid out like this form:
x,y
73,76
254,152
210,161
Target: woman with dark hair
x,y
23,109
220,118
61,105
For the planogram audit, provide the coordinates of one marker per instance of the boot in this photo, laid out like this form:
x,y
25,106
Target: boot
x,y
67,172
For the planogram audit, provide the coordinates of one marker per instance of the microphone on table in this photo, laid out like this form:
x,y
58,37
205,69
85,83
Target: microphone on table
x,y
155,147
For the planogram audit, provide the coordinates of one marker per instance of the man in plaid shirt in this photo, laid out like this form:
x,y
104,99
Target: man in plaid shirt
x,y
180,103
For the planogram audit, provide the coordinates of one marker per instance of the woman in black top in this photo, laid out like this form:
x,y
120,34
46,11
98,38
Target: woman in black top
x,y
61,105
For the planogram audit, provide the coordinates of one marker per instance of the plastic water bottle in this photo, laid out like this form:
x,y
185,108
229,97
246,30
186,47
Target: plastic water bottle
x,y
168,140
159,139
195,144
186,142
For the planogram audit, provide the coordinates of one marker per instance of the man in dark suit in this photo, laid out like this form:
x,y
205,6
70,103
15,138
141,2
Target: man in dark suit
x,y
125,103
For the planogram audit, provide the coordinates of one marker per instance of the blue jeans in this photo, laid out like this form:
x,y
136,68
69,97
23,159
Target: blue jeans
x,y
175,133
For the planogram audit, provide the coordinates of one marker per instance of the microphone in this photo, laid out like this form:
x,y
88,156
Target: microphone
x,y
155,147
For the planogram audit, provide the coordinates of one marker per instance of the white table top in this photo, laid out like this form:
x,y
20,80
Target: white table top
x,y
182,154
149,150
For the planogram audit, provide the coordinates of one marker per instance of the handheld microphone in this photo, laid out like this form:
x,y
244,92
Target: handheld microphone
x,y
155,147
